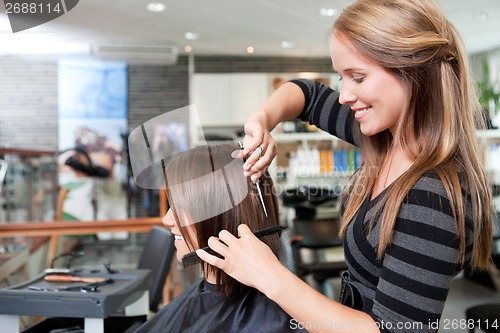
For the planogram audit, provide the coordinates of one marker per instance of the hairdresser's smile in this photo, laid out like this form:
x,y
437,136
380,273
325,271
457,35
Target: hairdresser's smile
x,y
359,113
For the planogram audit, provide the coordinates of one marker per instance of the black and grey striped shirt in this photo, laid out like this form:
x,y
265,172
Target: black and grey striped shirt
x,y
406,290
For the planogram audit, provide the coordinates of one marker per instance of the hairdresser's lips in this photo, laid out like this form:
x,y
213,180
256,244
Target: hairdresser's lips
x,y
361,112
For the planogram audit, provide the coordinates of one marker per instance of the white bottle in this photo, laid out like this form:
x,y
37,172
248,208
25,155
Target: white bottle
x,y
315,161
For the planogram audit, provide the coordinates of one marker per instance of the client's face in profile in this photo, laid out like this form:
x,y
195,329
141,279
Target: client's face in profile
x,y
180,243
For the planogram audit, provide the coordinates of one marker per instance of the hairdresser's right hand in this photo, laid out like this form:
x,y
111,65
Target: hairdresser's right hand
x,y
246,259
259,146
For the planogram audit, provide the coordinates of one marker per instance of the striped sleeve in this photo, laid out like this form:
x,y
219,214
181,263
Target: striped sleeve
x,y
322,109
420,263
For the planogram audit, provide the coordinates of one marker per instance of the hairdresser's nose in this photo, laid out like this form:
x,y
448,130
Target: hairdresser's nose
x,y
168,220
347,96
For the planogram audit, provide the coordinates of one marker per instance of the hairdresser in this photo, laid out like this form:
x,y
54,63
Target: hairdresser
x,y
418,211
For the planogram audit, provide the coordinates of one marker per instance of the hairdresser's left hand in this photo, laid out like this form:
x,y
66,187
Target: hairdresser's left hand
x,y
247,259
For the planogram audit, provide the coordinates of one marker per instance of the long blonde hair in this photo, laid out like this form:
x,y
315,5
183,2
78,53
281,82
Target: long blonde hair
x,y
416,42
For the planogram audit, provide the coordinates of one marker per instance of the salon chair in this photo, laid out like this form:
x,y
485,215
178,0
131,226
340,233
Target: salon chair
x,y
485,316
315,233
157,256
317,237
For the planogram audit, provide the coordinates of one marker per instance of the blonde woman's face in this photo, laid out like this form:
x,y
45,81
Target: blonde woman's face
x,y
376,96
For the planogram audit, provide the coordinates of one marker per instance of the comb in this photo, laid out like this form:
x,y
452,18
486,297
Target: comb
x,y
192,258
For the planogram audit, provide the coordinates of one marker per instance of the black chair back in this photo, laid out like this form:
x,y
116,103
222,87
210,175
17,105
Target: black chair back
x,y
157,257
318,234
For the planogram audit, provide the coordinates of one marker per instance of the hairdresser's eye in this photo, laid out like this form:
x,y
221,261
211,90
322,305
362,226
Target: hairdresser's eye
x,y
358,78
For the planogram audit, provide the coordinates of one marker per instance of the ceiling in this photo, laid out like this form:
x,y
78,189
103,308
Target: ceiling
x,y
225,27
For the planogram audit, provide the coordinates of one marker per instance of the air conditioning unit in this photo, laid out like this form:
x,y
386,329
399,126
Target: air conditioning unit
x,y
137,54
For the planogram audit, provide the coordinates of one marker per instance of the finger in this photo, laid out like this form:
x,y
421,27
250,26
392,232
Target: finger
x,y
257,153
244,230
215,244
241,155
254,175
252,158
270,148
227,237
263,161
256,170
267,149
248,153
210,259
250,144
254,136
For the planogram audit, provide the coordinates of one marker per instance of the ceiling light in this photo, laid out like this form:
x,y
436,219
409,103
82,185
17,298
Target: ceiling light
x,y
156,7
250,49
191,35
188,48
328,12
286,44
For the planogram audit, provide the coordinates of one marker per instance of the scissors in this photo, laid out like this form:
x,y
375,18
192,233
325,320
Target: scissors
x,y
257,184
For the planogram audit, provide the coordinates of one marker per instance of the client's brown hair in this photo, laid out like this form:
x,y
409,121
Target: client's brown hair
x,y
205,174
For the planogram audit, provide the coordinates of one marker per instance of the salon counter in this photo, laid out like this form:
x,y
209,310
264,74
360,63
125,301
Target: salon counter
x,y
37,297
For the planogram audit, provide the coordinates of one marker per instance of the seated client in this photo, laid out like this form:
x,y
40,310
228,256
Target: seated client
x,y
207,193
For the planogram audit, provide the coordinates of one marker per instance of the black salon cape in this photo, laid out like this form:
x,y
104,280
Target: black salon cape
x,y
200,309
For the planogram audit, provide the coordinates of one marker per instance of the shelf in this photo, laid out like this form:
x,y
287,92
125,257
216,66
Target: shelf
x,y
295,179
303,175
320,135
303,136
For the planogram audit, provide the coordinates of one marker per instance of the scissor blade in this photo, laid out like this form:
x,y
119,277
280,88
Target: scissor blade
x,y
260,196
257,184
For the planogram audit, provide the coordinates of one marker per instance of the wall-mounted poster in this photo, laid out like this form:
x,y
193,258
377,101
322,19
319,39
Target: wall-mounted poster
x,y
92,125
